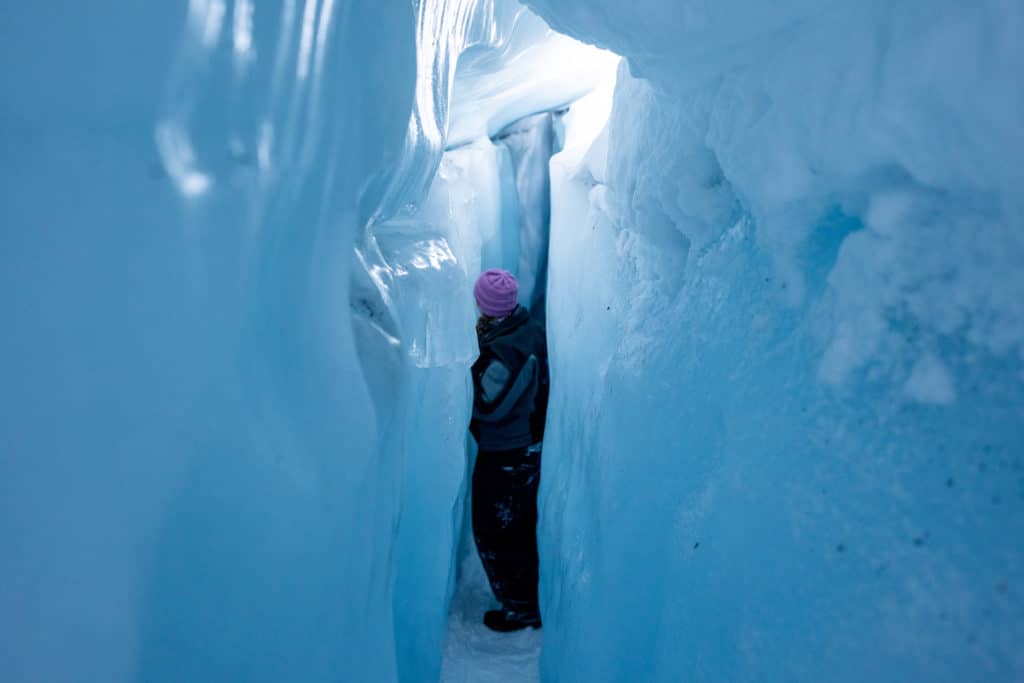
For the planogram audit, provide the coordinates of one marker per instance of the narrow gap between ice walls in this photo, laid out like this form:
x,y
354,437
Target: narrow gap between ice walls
x,y
432,223
520,158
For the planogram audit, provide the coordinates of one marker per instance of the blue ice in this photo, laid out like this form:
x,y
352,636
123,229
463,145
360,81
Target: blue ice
x,y
783,246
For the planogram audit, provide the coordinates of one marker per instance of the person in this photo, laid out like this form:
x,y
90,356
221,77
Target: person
x,y
510,391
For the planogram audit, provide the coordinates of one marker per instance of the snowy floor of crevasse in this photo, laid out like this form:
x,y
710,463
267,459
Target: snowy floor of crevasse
x,y
475,654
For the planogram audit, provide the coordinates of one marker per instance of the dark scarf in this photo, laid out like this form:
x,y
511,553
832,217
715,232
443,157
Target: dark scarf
x,y
487,326
483,323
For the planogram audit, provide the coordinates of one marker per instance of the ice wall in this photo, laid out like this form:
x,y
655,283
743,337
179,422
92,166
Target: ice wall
x,y
531,143
190,486
449,208
785,431
785,332
429,259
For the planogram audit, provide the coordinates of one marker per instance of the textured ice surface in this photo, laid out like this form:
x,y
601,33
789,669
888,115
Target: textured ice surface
x,y
785,321
427,259
190,486
785,432
531,143
496,87
443,215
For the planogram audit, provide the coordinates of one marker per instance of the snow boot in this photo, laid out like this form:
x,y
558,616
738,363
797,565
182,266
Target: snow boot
x,y
505,620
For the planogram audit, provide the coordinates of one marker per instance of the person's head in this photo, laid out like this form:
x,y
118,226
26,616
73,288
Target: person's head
x,y
496,292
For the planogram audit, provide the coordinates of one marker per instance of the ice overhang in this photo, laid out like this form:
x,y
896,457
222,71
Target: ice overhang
x,y
537,69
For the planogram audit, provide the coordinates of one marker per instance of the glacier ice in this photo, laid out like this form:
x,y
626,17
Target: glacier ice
x,y
785,427
783,310
458,203
531,143
191,487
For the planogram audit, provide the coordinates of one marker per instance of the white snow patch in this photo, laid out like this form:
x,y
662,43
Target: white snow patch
x,y
475,654
930,382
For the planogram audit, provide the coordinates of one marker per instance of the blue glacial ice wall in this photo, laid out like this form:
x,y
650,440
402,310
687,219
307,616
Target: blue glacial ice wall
x,y
191,487
531,143
786,434
450,208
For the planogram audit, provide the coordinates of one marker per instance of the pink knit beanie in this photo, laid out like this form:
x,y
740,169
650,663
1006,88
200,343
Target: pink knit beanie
x,y
496,292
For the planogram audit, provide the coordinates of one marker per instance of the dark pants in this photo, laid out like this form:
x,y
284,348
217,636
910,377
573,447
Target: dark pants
x,y
505,524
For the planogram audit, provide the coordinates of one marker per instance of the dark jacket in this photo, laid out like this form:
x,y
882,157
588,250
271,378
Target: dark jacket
x,y
510,384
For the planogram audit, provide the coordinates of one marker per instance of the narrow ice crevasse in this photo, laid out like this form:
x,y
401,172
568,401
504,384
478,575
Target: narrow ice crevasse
x,y
482,84
472,652
787,340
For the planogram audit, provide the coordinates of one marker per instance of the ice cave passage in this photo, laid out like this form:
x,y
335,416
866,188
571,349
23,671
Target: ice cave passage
x,y
778,248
